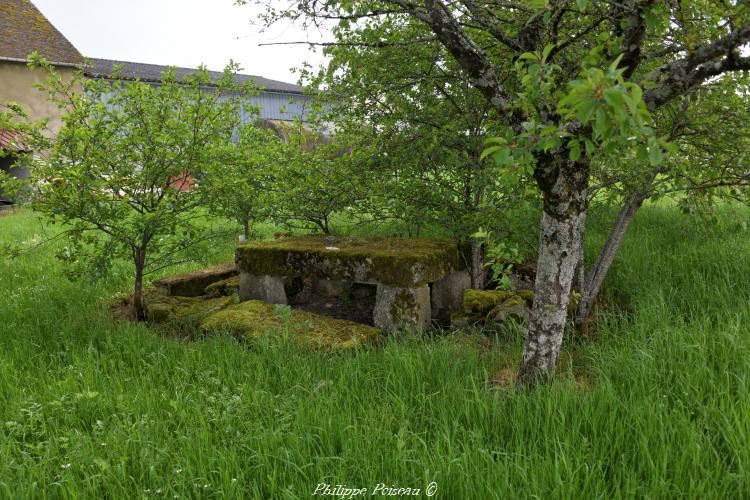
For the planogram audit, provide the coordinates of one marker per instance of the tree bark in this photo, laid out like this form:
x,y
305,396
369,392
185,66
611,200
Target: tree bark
x,y
139,257
564,185
246,228
477,265
558,256
606,257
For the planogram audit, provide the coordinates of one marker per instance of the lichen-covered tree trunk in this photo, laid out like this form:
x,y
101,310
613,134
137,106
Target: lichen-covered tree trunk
x,y
558,256
606,257
477,265
564,185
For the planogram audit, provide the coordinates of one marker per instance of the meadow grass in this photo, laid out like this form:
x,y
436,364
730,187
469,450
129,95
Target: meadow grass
x,y
95,409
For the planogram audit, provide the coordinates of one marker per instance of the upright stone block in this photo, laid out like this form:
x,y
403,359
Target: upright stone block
x,y
448,294
397,307
266,288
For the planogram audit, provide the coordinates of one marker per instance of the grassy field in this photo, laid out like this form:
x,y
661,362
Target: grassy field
x,y
660,408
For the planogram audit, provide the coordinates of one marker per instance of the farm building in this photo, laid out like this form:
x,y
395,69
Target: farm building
x,y
24,29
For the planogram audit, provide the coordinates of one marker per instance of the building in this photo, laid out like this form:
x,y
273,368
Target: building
x,y
275,100
24,29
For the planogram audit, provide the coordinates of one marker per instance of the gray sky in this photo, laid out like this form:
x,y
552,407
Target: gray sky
x,y
180,33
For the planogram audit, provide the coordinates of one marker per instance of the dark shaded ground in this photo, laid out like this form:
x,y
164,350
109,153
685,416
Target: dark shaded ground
x,y
354,304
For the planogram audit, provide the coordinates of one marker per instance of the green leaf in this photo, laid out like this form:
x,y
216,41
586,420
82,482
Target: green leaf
x,y
490,151
655,154
602,124
615,63
585,110
547,49
590,148
582,4
575,150
496,140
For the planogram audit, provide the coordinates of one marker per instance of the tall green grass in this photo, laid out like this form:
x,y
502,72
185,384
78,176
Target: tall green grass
x,y
93,409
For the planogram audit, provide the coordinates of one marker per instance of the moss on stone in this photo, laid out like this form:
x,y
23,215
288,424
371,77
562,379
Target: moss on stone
x,y
252,319
515,300
403,262
229,286
193,284
482,301
461,319
163,308
527,295
403,305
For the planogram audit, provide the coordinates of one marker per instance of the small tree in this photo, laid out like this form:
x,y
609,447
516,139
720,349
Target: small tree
x,y
120,175
241,189
319,176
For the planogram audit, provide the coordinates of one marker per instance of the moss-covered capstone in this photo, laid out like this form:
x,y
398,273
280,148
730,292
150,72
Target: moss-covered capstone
x,y
399,262
252,319
193,284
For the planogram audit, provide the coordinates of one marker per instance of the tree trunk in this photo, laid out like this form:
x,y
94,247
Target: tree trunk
x,y
477,265
607,257
580,272
564,185
558,256
246,228
139,257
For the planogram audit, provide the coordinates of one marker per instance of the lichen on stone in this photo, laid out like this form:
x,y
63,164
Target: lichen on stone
x,y
253,319
403,262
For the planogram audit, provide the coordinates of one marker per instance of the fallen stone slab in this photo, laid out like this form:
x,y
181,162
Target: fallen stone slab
x,y
229,286
163,308
193,284
253,319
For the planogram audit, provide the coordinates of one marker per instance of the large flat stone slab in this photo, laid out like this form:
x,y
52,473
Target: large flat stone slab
x,y
194,284
252,319
397,262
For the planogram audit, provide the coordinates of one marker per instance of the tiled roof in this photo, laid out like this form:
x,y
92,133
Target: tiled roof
x,y
102,68
23,30
11,141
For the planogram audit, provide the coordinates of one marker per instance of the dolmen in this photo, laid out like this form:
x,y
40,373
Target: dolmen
x,y
417,279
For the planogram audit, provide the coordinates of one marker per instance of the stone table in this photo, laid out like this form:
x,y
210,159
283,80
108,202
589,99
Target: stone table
x,y
416,278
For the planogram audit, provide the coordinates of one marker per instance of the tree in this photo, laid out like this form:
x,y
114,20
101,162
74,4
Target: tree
x,y
241,188
570,80
318,176
425,127
709,130
120,174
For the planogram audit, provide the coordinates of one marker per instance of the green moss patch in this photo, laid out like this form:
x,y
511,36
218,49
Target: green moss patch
x,y
186,311
402,262
229,286
253,319
482,301
194,284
